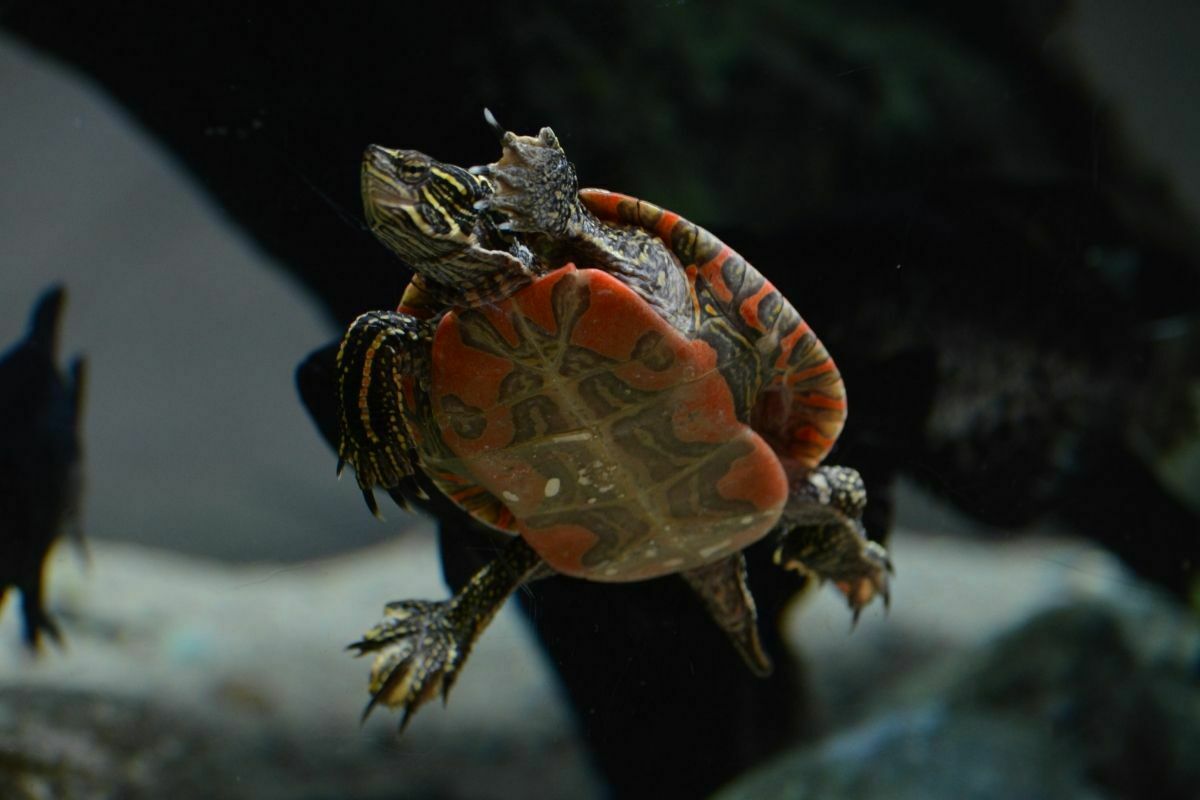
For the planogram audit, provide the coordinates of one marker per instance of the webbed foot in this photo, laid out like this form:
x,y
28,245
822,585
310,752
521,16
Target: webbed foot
x,y
421,645
419,648
839,553
824,537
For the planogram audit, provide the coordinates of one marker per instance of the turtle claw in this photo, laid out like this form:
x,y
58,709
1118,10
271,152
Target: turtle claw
x,y
869,581
857,566
419,648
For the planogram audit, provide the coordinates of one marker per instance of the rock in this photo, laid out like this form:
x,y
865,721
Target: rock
x,y
1035,667
1073,704
186,678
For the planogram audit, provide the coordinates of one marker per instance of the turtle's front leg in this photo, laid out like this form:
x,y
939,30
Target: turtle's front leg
x,y
421,645
380,351
823,536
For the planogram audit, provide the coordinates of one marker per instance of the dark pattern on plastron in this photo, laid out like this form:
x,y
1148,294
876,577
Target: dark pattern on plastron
x,y
466,420
694,493
540,416
652,351
614,526
648,439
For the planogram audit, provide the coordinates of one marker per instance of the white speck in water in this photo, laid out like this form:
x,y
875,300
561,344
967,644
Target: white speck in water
x,y
510,497
552,487
607,488
591,500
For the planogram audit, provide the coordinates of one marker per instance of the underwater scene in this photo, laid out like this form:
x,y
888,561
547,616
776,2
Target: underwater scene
x,y
600,400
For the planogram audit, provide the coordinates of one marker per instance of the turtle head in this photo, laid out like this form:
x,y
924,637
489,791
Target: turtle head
x,y
424,211
536,186
419,207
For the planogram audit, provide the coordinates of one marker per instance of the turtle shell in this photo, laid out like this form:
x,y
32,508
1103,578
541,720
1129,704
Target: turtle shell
x,y
573,414
801,405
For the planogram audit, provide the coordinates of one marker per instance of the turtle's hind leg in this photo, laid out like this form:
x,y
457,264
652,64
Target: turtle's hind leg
x,y
421,645
823,536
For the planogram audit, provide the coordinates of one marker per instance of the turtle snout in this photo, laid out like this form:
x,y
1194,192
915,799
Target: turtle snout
x,y
377,157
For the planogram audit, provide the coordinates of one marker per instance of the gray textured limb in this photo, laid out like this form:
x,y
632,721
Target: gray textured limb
x,y
421,645
822,536
723,588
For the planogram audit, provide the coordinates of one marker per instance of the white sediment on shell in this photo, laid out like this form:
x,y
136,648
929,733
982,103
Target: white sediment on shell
x,y
712,549
510,497
574,436
552,487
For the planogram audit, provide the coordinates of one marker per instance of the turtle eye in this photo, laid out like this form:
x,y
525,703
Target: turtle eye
x,y
549,139
411,171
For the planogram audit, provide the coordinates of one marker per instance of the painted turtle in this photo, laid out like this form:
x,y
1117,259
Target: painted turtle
x,y
629,419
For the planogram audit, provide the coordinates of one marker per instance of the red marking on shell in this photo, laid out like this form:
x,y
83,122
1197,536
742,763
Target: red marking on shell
x,y
705,411
816,400
534,303
667,221
562,546
612,300
474,377
799,431
820,369
749,307
757,478
501,319
603,203
711,272
804,435
789,342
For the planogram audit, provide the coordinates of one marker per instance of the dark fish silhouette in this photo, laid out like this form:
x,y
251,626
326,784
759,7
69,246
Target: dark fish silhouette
x,y
40,473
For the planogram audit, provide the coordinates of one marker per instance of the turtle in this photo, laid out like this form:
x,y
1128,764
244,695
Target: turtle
x,y
588,391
